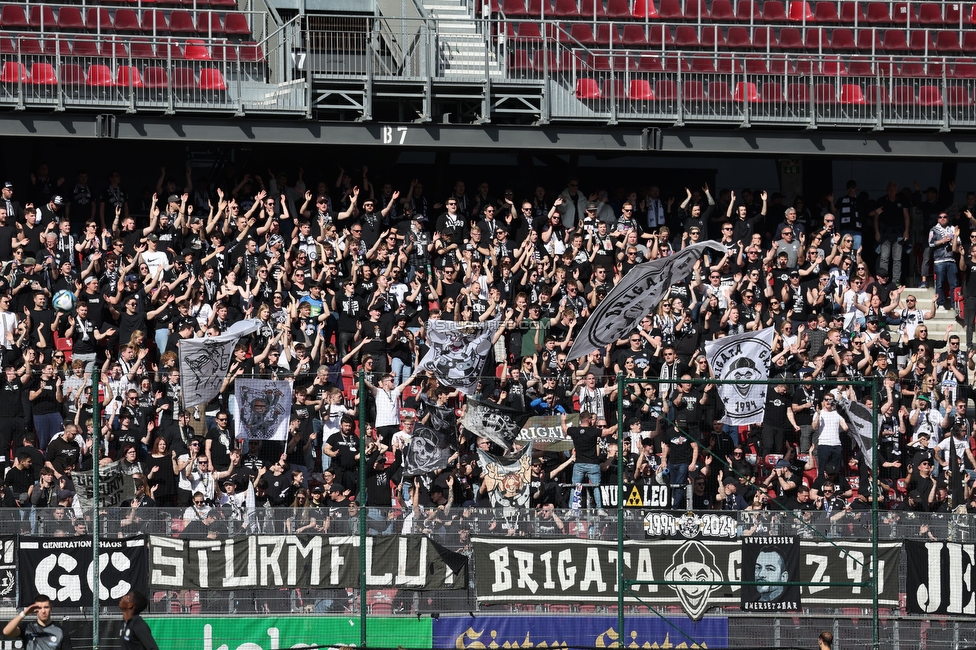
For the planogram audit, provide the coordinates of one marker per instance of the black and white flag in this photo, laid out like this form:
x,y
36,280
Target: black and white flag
x,y
742,357
859,420
263,409
498,423
428,450
508,481
635,296
204,362
458,352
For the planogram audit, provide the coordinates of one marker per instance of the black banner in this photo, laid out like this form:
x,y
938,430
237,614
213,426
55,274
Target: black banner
x,y
941,578
304,561
427,451
498,423
581,570
768,561
8,566
61,568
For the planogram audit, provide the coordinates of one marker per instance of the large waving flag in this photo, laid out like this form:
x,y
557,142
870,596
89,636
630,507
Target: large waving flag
x,y
204,362
742,357
458,352
635,296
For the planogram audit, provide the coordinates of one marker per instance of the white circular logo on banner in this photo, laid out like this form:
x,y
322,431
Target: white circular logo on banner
x,y
743,360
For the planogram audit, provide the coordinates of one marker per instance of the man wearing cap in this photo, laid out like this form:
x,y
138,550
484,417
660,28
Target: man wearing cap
x,y
785,482
14,211
47,214
922,481
924,419
154,258
830,473
728,495
827,426
944,244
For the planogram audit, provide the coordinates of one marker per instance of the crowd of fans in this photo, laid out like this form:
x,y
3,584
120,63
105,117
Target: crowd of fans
x,y
344,275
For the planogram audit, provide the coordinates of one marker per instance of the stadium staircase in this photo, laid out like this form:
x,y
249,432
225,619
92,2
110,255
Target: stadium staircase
x,y
461,48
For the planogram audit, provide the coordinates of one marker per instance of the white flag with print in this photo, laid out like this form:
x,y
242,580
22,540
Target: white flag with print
x,y
743,357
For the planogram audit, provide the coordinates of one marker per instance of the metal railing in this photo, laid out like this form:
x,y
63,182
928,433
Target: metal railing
x,y
167,74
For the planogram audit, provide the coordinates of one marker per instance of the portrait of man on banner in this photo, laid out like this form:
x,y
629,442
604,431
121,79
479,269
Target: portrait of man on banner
x,y
766,562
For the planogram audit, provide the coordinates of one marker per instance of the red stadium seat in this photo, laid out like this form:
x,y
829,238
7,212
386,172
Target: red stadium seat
x,y
84,47
670,10
746,92
798,93
98,19
686,36
196,50
529,31
842,40
650,64
703,64
920,42
692,90
13,17
606,63
903,96
763,37
799,11
514,8
154,21
929,96
806,67
659,35
155,77
226,52
722,11
958,96
251,52
877,13
826,12
128,74
738,38
712,37
614,89
876,95
181,22
728,65
964,69
824,94
911,68
869,40
947,42
746,10
719,93
640,91
903,13
208,23
930,13
851,12
953,14
72,74
113,49
860,68
756,65
851,95
99,76
833,66
696,10
895,41
772,93
816,39
645,9
581,33
70,19
13,72
790,39
619,9
934,69
42,17
236,25
184,79
42,74
665,90
567,9
773,11
633,36
588,89
212,80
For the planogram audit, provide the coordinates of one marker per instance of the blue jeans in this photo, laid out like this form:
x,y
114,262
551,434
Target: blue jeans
x,y
46,426
679,482
590,471
161,336
945,272
400,371
828,453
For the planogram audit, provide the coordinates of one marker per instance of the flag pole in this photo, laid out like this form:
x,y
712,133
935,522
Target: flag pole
x,y
96,502
362,508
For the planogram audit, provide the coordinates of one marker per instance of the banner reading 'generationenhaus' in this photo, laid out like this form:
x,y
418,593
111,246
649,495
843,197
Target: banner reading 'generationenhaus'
x,y
304,562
